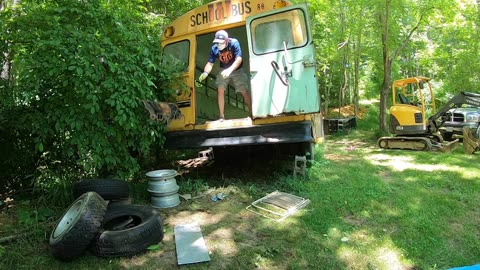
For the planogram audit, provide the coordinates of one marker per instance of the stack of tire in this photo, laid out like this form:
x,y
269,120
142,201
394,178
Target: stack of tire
x,y
102,221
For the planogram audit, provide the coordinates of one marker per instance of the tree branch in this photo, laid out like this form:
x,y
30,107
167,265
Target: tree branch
x,y
341,45
407,39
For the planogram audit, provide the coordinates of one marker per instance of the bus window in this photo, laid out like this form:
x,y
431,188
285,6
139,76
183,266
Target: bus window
x,y
269,35
177,54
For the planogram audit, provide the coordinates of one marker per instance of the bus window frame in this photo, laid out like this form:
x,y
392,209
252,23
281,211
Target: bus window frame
x,y
305,28
185,65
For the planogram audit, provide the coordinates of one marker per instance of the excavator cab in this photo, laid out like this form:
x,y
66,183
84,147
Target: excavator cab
x,y
413,103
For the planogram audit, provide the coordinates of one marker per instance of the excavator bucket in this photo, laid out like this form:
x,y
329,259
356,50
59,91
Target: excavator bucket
x,y
449,146
470,143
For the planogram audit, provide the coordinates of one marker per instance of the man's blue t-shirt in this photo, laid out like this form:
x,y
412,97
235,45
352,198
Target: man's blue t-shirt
x,y
228,55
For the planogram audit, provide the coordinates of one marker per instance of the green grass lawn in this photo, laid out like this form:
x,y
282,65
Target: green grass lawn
x,y
369,209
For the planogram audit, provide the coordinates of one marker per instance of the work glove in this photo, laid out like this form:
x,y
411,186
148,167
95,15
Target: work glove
x,y
203,76
225,73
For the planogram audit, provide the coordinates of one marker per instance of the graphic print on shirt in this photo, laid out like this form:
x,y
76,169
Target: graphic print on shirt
x,y
225,57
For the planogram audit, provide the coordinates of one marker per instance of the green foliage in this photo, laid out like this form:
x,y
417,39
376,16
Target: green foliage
x,y
290,184
81,70
369,121
253,190
193,186
18,162
153,247
348,36
29,216
55,180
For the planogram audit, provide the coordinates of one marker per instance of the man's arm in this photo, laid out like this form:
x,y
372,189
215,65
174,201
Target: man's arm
x,y
232,68
206,70
236,63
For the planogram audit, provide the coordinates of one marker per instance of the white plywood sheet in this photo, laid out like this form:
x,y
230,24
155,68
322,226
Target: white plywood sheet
x,y
190,244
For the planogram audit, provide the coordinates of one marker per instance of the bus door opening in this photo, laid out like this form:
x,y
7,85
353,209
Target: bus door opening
x,y
206,91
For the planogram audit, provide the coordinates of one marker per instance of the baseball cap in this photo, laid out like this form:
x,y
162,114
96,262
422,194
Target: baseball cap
x,y
220,36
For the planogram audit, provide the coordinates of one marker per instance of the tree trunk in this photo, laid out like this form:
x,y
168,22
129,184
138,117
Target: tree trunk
x,y
344,46
387,81
387,67
5,72
390,56
357,48
344,86
328,88
356,78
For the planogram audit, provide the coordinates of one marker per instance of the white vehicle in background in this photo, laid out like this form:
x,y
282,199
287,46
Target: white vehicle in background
x,y
457,118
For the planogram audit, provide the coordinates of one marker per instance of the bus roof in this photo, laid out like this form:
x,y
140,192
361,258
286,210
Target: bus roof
x,y
217,14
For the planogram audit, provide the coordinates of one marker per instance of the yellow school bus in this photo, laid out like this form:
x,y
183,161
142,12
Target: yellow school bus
x,y
278,56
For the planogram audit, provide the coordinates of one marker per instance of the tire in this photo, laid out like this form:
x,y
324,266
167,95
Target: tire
x,y
109,189
126,201
78,226
127,230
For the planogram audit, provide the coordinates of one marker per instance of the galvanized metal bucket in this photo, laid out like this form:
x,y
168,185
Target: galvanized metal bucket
x,y
164,189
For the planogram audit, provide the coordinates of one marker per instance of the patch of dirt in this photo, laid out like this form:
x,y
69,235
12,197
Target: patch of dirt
x,y
349,147
352,220
338,157
348,110
386,176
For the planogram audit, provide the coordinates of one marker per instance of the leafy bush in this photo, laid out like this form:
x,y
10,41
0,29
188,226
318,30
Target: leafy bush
x,y
18,161
193,186
369,122
79,70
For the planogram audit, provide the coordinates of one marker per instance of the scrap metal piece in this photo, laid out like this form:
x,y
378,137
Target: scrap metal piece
x,y
162,111
190,244
277,205
206,154
300,165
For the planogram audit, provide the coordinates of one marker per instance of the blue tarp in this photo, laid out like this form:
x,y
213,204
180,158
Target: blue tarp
x,y
473,267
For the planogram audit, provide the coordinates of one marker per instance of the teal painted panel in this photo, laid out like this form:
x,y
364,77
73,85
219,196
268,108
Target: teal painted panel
x,y
282,63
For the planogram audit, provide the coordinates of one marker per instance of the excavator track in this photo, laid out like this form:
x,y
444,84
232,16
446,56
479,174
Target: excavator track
x,y
409,143
417,143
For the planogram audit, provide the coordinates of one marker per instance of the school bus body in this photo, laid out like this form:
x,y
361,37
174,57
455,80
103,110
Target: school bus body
x,y
278,56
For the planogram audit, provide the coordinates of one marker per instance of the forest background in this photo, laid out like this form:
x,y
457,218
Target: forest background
x,y
73,73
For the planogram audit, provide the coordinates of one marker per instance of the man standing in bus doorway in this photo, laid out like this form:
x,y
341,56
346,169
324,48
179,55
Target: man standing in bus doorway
x,y
229,52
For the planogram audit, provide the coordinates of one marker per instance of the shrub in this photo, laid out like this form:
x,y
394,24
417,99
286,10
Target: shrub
x,y
79,70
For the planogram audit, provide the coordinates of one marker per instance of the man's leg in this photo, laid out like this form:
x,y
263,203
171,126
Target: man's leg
x,y
247,100
221,102
241,83
222,84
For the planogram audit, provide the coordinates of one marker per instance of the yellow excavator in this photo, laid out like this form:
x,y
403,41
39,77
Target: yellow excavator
x,y
414,119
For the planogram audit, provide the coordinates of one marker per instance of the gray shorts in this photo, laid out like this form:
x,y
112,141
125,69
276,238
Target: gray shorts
x,y
237,79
